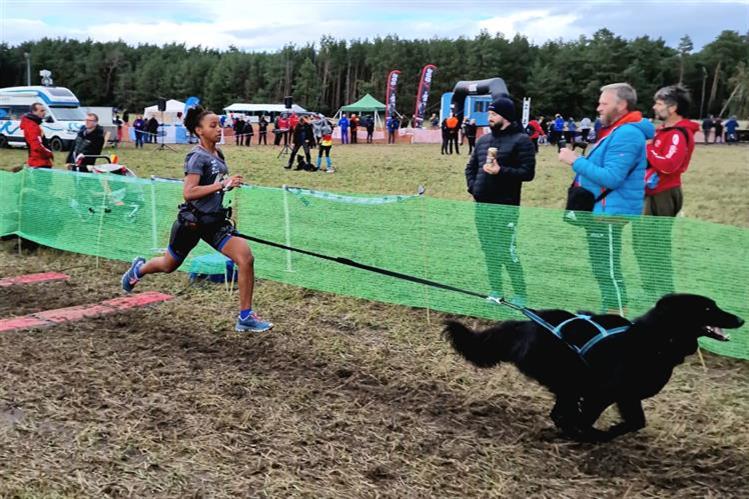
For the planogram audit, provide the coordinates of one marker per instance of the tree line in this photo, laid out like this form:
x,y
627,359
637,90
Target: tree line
x,y
560,76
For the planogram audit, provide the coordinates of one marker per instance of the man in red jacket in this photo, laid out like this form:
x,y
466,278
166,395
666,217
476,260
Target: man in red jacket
x,y
669,153
39,155
534,131
668,157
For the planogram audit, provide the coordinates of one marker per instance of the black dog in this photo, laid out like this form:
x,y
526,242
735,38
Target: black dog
x,y
621,369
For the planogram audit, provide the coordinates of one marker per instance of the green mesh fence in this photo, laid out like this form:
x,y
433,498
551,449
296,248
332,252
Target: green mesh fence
x,y
529,254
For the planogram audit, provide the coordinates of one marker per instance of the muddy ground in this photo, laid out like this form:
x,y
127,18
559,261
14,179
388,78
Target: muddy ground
x,y
344,398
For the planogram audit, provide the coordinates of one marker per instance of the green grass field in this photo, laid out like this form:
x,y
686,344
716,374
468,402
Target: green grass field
x,y
345,397
715,187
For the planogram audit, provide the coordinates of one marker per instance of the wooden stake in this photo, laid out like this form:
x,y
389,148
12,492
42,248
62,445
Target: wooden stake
x,y
702,359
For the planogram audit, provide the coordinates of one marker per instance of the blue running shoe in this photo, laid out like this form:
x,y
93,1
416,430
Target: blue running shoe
x,y
253,324
130,278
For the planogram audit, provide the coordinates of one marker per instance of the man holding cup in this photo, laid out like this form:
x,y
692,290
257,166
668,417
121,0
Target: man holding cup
x,y
500,163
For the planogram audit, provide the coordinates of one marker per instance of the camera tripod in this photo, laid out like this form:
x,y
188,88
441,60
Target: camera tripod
x,y
162,146
286,149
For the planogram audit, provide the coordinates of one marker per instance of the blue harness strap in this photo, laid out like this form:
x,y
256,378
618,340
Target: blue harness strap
x,y
603,333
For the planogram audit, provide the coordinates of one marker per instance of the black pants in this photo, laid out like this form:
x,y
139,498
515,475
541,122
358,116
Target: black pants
x,y
262,138
295,150
471,143
353,136
497,231
445,140
605,253
248,140
370,136
391,137
535,143
453,141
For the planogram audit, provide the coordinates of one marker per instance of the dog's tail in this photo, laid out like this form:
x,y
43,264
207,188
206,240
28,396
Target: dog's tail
x,y
482,349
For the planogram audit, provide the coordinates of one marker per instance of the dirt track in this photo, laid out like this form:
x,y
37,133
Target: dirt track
x,y
345,398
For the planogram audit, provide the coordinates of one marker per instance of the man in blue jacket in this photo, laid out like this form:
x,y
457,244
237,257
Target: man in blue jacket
x,y
616,165
343,124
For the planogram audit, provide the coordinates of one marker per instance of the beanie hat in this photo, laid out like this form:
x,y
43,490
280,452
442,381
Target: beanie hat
x,y
503,107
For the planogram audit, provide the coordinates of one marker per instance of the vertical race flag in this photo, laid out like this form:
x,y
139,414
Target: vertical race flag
x,y
422,95
390,94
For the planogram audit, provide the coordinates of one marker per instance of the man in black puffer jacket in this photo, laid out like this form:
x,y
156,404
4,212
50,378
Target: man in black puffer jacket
x,y
499,181
89,142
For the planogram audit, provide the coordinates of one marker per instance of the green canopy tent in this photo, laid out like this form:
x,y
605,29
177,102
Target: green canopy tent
x,y
366,104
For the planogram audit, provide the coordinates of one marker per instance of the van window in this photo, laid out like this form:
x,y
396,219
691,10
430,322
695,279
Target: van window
x,y
60,92
17,112
5,113
68,113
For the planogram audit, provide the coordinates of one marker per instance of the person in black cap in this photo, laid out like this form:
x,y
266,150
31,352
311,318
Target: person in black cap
x,y
498,181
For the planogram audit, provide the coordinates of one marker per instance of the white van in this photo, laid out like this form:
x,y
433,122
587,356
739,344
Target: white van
x,y
64,116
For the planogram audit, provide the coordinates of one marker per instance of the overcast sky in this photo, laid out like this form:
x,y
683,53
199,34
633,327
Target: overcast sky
x,y
269,24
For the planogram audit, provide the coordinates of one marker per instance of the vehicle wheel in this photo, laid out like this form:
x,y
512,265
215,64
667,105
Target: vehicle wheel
x,y
56,144
3,141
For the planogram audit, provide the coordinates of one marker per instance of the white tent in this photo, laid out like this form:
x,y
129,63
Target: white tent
x,y
255,110
170,115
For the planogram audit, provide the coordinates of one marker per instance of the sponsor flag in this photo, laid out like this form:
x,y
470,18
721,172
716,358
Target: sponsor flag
x,y
390,93
422,95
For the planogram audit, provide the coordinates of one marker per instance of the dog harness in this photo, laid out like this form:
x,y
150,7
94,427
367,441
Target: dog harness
x,y
558,330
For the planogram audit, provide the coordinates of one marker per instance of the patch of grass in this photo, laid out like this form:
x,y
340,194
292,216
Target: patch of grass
x,y
714,186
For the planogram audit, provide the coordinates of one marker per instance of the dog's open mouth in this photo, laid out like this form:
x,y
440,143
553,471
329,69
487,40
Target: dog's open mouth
x,y
716,333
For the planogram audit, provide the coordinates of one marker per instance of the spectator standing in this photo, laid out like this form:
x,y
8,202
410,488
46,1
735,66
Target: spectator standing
x,y
88,142
585,126
343,123
293,122
248,132
354,122
139,126
557,129
392,125
324,135
470,133
239,131
445,137
616,164
117,121
668,158
498,182
707,124
40,156
571,130
370,124
262,131
303,137
152,129
535,132
453,127
282,130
